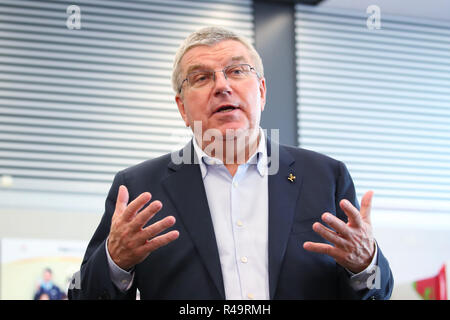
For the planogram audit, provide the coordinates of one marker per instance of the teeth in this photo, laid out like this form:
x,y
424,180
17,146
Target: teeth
x,y
227,109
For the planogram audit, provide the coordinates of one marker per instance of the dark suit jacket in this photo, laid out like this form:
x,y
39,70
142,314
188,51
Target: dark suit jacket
x,y
189,268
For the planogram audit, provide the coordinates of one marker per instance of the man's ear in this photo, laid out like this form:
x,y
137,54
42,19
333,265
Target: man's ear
x,y
181,109
262,92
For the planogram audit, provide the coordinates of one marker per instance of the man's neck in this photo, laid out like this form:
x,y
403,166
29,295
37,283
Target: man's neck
x,y
234,150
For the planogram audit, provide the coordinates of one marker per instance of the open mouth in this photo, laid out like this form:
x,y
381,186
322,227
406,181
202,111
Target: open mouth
x,y
226,108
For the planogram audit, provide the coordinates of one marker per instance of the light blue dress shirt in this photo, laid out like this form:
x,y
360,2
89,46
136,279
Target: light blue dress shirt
x,y
239,207
240,213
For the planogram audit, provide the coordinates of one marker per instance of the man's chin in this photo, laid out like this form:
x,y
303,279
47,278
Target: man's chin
x,y
225,132
234,133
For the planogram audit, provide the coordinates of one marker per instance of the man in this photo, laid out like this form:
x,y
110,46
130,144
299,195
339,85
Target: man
x,y
239,216
47,289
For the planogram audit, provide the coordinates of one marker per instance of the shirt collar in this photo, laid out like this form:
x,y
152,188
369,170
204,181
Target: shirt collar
x,y
259,158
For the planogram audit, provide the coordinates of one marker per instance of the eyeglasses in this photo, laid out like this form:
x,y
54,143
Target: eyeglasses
x,y
199,79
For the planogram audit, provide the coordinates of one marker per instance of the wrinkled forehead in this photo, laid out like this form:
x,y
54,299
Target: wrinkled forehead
x,y
215,56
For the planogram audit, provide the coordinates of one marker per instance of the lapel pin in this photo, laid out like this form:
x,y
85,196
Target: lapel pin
x,y
291,177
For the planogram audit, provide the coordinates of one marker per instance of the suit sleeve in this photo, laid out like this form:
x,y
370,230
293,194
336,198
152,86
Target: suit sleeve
x,y
381,279
95,277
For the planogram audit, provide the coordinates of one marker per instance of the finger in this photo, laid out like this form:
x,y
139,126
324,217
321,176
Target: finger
x,y
122,199
145,215
352,213
329,235
337,224
337,254
322,248
156,228
366,206
136,205
160,241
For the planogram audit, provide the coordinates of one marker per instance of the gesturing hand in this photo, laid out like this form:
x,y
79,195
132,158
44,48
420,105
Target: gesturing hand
x,y
354,244
129,243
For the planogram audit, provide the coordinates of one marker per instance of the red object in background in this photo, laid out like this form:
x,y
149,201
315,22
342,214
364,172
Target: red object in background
x,y
434,288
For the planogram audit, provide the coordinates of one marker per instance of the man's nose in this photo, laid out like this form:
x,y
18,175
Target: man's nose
x,y
221,84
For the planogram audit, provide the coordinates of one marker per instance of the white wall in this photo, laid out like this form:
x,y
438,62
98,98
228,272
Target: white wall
x,y
416,245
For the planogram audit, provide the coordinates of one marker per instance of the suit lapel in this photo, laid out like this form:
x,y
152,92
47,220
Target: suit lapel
x,y
283,194
187,192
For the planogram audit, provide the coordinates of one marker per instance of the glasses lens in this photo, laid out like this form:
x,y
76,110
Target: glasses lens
x,y
203,78
199,79
237,71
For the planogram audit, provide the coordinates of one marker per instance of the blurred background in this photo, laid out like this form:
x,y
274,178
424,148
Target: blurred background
x,y
85,92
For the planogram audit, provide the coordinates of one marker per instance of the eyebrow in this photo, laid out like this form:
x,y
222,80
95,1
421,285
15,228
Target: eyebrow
x,y
196,67
238,59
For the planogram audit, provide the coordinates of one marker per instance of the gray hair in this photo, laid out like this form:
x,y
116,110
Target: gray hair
x,y
209,36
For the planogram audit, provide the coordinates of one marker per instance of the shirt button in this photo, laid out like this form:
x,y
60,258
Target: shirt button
x,y
244,259
235,184
239,223
251,296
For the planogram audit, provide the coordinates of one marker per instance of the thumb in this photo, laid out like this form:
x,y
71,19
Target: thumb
x,y
366,206
122,199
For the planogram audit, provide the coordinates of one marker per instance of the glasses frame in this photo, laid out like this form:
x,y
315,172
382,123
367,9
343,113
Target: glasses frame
x,y
214,73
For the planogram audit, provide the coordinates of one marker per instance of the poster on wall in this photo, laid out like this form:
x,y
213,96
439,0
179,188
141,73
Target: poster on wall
x,y
37,268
